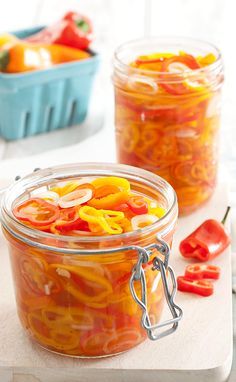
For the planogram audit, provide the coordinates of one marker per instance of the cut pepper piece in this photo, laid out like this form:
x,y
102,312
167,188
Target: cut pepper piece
x,y
207,241
202,287
202,271
37,211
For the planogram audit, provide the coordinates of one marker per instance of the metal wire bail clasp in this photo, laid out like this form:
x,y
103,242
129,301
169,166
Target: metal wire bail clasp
x,y
138,274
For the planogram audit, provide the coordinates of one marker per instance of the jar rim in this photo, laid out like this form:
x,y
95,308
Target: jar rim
x,y
29,235
216,66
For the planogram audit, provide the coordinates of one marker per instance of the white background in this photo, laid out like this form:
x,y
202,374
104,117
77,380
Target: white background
x,y
117,21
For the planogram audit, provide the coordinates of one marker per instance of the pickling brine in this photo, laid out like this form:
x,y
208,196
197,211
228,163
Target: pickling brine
x,y
167,113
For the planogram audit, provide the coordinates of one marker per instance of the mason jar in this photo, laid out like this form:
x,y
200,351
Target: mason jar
x,y
167,121
92,296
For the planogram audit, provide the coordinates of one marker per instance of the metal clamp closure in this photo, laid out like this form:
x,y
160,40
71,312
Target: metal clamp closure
x,y
138,274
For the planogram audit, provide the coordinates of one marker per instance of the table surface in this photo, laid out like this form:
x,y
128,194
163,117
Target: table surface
x,y
96,152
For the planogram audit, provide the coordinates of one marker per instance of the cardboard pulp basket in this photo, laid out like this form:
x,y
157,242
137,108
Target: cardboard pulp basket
x,y
44,100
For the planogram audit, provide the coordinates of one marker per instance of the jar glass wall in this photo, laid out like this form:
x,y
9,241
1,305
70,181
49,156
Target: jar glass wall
x,y
165,127
72,293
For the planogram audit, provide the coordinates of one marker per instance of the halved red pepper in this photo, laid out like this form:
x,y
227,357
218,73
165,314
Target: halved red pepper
x,y
207,241
37,211
202,271
138,205
202,287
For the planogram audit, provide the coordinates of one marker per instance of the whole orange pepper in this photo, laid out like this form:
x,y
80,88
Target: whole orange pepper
x,y
22,56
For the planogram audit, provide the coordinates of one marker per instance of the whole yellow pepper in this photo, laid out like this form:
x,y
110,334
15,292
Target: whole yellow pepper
x,y
7,38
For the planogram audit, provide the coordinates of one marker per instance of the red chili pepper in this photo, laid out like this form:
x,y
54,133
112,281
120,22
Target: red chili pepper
x,y
202,271
207,241
202,287
74,30
37,211
138,205
178,88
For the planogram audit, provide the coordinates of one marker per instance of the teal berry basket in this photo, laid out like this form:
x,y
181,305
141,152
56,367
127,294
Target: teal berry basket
x,y
45,100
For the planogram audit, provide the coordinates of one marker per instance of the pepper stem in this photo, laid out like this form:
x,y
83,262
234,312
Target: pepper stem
x,y
226,215
82,24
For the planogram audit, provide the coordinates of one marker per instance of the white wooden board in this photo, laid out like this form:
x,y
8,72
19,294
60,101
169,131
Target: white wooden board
x,y
200,350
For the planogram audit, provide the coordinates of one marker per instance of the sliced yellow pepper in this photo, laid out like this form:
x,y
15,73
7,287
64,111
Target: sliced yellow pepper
x,y
206,60
112,180
66,189
56,316
154,209
116,216
92,215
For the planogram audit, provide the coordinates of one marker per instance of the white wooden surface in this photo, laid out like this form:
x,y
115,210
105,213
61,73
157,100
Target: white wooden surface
x,y
200,350
115,22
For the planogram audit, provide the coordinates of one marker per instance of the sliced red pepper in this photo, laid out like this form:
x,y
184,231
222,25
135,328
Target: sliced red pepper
x,y
178,88
138,205
207,241
202,287
69,221
123,207
37,211
202,271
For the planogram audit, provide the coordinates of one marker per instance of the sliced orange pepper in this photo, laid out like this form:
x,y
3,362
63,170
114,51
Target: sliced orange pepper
x,y
106,190
109,201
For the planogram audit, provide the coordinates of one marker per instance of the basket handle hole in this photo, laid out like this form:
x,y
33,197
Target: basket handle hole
x,y
26,123
50,112
72,113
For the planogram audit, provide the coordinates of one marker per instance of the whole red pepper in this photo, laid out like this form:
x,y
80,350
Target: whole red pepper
x,y
207,241
74,30
202,287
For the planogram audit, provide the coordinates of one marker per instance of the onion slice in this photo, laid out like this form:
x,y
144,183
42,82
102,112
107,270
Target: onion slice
x,y
48,195
75,198
141,221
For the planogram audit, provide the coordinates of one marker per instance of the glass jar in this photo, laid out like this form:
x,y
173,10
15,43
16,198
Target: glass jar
x,y
170,132
92,296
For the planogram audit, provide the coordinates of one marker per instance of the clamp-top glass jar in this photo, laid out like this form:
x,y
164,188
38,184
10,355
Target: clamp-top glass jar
x,y
167,112
80,296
